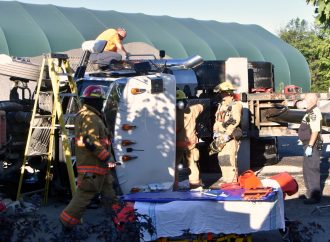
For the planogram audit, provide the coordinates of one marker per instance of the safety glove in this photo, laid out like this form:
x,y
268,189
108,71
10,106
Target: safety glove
x,y
225,138
215,135
308,151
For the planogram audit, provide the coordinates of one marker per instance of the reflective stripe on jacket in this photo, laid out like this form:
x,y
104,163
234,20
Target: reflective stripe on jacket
x,y
92,169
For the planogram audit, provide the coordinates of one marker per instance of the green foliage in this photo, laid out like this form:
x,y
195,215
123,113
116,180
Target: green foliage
x,y
20,225
314,43
322,10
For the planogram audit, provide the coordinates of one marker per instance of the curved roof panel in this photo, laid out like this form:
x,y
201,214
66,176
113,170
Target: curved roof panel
x,y
158,36
186,36
23,35
59,31
299,73
88,29
31,30
3,43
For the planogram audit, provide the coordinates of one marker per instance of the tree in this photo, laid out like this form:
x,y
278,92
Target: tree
x,y
314,43
322,10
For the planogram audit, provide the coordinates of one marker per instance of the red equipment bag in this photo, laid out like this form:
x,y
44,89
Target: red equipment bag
x,y
249,180
287,183
124,214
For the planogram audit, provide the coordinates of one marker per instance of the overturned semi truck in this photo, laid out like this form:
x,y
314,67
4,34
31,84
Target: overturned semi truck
x,y
136,97
140,112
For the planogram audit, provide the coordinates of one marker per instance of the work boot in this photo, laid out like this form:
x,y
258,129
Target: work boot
x,y
196,186
315,198
217,184
65,229
302,197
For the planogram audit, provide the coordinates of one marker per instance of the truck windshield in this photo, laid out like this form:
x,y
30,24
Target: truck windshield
x,y
112,102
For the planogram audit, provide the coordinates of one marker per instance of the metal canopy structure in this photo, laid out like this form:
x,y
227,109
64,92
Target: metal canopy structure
x,y
31,30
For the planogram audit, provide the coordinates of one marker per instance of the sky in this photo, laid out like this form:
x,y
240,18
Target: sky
x,y
269,14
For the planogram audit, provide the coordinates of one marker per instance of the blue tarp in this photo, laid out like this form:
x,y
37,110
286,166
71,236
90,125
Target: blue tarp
x,y
207,195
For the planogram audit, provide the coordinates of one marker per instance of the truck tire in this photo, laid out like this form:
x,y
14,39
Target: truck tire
x,y
10,106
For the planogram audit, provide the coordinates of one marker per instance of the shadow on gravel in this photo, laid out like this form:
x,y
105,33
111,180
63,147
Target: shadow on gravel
x,y
306,223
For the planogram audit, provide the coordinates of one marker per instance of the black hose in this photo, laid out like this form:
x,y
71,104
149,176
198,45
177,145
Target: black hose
x,y
270,114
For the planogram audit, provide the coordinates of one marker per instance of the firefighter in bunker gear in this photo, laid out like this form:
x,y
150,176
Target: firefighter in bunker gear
x,y
186,138
94,158
227,119
309,134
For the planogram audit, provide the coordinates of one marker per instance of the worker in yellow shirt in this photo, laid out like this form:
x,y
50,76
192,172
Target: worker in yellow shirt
x,y
114,39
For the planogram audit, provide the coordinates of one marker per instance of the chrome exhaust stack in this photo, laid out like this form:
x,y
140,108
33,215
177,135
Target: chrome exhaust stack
x,y
186,63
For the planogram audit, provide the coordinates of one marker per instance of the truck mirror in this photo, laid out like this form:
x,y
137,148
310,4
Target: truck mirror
x,y
161,54
244,97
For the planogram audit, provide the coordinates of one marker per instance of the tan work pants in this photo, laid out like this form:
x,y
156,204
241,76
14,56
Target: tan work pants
x,y
227,161
189,158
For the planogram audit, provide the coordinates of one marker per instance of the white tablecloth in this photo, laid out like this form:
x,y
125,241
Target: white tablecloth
x,y
239,217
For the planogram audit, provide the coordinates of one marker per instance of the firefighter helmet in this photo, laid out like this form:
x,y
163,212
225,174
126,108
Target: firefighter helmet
x,y
224,87
94,91
180,95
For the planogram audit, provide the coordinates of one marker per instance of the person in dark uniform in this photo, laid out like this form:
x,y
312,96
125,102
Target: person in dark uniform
x,y
309,134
